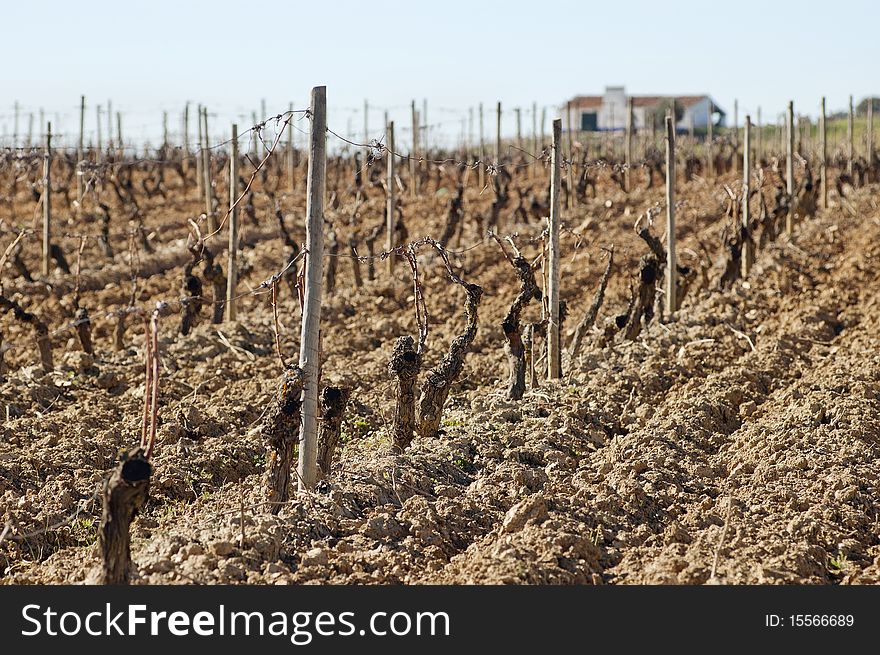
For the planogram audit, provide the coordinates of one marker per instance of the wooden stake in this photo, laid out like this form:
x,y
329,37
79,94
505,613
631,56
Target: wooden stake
x,y
200,157
98,113
291,180
849,139
15,126
482,151
823,154
628,146
366,121
710,145
519,142
390,197
671,263
47,201
498,135
870,136
570,203
206,171
232,264
109,126
413,155
553,341
80,153
310,340
736,130
119,145
789,166
186,130
747,255
759,148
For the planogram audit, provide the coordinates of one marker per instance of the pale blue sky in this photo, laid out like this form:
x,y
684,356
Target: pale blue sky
x,y
152,56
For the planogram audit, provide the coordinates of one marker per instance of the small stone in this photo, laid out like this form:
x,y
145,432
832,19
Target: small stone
x,y
314,557
748,408
222,548
533,508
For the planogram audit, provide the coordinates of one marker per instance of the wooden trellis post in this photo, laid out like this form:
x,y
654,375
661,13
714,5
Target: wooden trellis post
x,y
47,201
823,154
98,114
310,342
119,134
789,166
232,264
870,128
413,155
80,153
109,127
570,168
736,133
553,359
759,147
849,139
710,149
498,135
629,144
519,142
185,129
747,254
291,180
671,263
482,151
206,171
200,158
390,197
366,121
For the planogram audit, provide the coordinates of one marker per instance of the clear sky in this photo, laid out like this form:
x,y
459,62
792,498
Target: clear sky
x,y
147,57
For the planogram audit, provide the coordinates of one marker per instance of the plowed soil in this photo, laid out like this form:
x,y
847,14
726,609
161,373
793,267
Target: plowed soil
x,y
737,442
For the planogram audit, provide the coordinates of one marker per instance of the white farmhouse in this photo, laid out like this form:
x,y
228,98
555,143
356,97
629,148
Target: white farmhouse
x,y
607,113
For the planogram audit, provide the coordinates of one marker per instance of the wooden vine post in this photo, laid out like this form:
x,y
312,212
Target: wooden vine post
x,y
823,154
789,166
498,135
47,200
629,145
206,171
232,265
671,263
849,139
310,343
519,141
200,160
413,155
735,132
80,186
553,352
482,151
119,134
185,129
98,136
759,146
291,181
570,197
391,198
710,150
870,135
747,251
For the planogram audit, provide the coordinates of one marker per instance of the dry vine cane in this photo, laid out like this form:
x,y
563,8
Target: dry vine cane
x,y
589,318
127,489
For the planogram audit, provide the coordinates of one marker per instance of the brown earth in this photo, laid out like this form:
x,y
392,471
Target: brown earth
x,y
737,443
